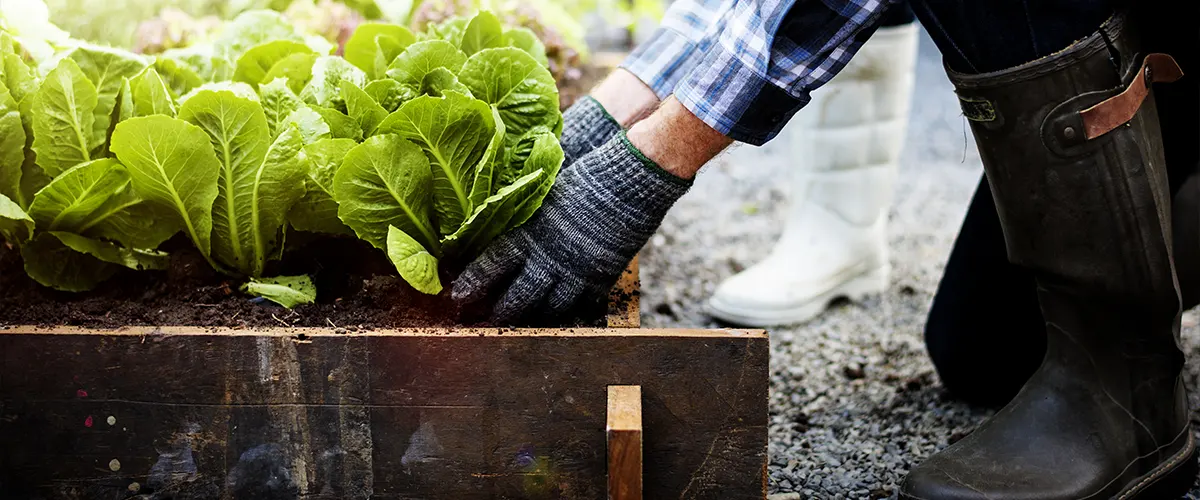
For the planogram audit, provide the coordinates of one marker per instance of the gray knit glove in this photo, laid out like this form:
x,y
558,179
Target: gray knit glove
x,y
586,126
595,219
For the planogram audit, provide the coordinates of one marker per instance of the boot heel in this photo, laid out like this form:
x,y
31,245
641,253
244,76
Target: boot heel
x,y
870,283
1174,484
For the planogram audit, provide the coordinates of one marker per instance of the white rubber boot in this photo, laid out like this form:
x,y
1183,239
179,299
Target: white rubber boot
x,y
846,144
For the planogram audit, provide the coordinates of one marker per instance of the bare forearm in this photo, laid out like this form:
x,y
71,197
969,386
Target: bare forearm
x,y
625,97
677,140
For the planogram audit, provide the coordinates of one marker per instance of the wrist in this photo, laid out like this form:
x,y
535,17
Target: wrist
x,y
625,98
676,140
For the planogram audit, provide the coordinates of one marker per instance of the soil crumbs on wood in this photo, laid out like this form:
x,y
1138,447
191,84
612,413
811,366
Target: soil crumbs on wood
x,y
357,289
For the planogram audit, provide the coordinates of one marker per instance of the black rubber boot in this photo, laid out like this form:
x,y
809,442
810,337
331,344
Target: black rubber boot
x,y
1083,200
984,332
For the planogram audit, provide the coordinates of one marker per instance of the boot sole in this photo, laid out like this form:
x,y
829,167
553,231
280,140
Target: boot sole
x,y
1173,480
871,282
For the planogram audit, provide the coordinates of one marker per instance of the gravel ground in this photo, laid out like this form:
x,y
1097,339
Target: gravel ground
x,y
855,402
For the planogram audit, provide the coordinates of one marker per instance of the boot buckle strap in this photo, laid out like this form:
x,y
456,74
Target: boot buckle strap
x,y
1111,113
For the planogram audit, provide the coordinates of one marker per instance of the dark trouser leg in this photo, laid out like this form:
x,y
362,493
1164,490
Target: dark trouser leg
x,y
897,14
984,333
1083,203
981,36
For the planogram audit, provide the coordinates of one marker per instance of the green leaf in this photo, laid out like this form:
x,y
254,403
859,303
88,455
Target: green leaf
x,y
63,119
33,177
411,66
451,30
454,131
237,88
70,201
151,95
386,51
524,39
492,218
296,69
362,108
386,181
317,211
287,291
17,76
513,82
138,260
514,203
320,44
311,125
15,225
389,93
179,77
106,68
325,87
415,264
53,264
278,102
362,48
133,222
172,164
547,156
12,149
255,64
259,180
438,81
485,169
201,60
7,45
251,29
514,164
340,125
483,32
124,109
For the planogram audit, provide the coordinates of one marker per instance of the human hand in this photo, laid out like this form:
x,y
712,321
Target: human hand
x,y
595,219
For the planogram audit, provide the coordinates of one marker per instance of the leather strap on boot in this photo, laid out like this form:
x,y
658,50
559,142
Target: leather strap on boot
x,y
1116,110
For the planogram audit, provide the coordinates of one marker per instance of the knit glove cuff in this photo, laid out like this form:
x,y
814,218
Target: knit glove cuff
x,y
586,126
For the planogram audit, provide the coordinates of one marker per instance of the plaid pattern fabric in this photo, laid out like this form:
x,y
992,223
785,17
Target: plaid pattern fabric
x,y
688,29
755,64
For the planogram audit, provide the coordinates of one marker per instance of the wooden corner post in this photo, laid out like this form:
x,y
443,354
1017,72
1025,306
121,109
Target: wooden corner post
x,y
624,442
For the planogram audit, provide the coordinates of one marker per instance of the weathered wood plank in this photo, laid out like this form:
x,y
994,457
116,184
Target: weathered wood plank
x,y
624,442
305,413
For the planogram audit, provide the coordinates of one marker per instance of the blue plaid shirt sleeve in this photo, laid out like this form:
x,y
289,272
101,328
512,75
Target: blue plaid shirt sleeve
x,y
768,56
689,28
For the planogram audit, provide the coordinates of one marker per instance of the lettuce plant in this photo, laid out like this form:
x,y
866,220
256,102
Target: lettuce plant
x,y
69,206
471,156
426,145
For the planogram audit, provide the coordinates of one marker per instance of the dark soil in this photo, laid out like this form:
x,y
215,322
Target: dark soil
x,y
357,288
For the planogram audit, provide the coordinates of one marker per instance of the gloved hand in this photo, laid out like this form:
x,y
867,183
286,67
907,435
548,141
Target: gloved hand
x,y
586,126
595,219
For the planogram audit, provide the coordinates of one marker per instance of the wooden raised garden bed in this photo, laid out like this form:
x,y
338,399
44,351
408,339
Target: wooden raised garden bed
x,y
216,413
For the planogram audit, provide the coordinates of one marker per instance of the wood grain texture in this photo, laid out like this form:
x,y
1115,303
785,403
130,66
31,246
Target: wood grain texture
x,y
391,415
624,442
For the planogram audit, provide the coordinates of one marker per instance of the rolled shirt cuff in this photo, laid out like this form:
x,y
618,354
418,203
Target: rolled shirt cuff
x,y
663,60
737,100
